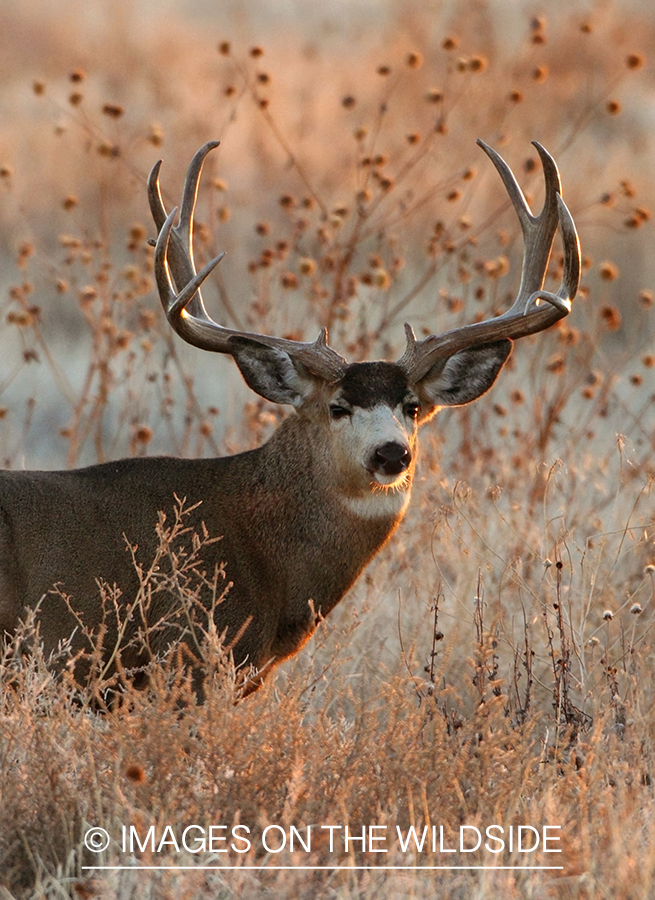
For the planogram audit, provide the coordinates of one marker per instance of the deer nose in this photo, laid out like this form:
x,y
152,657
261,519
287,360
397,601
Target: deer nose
x,y
392,458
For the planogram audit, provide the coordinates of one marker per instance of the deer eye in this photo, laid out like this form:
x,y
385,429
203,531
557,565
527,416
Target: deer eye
x,y
412,410
339,412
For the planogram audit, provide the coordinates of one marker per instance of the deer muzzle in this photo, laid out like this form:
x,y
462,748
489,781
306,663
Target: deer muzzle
x,y
392,458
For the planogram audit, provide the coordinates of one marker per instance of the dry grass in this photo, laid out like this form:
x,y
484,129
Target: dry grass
x,y
495,664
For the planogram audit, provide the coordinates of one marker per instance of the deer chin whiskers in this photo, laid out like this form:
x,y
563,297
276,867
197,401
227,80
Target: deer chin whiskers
x,y
384,483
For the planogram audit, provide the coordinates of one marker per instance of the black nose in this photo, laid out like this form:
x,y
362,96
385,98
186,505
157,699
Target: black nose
x,y
392,458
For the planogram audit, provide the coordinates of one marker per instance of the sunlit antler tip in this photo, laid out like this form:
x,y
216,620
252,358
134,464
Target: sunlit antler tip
x,y
322,339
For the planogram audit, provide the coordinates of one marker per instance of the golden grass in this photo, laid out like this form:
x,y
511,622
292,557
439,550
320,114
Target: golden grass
x,y
349,192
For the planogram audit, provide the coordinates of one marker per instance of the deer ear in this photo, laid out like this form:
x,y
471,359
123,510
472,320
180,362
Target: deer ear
x,y
466,375
271,372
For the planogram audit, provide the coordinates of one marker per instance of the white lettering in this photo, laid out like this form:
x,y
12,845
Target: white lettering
x,y
462,848
411,835
493,838
284,838
201,843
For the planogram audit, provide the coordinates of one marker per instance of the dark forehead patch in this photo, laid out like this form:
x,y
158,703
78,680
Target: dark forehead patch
x,y
366,384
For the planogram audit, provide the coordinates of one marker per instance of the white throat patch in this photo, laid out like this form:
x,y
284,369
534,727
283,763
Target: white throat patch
x,y
379,503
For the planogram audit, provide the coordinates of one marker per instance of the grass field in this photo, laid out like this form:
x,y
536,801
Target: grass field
x,y
494,664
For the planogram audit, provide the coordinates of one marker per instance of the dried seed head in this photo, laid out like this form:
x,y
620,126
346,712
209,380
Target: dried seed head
x,y
414,60
647,298
38,87
613,107
611,317
77,76
108,150
155,135
289,280
540,74
383,70
450,43
224,48
113,110
634,61
556,364
608,615
348,102
256,52
608,271
478,63
635,609
307,266
143,434
87,294
135,773
381,278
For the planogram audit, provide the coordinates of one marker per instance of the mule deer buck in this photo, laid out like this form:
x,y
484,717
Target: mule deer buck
x,y
300,516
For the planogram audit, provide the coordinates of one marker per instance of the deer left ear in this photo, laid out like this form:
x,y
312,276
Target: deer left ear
x,y
466,375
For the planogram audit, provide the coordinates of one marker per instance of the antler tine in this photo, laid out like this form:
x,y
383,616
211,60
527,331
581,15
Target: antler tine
x,y
538,231
526,315
175,304
180,244
179,284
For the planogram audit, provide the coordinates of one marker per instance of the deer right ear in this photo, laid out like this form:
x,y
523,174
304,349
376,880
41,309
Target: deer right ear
x,y
272,373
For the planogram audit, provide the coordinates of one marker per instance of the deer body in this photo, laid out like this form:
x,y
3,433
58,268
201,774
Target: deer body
x,y
299,517
296,530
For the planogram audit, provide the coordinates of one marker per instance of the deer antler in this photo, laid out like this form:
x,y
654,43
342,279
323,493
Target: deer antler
x,y
179,283
527,315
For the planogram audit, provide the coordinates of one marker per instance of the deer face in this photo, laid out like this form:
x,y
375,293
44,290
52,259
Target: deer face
x,y
368,420
373,419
